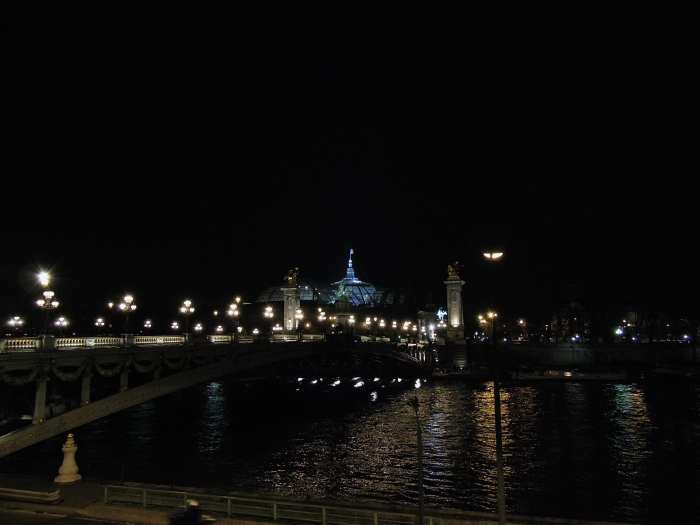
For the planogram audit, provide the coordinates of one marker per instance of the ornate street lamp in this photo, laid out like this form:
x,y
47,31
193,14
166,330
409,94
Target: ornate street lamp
x,y
187,309
269,313
299,317
234,312
15,323
495,256
61,323
47,303
127,306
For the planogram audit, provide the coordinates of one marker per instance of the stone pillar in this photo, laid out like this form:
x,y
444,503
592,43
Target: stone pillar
x,y
85,388
40,398
292,301
47,343
455,313
124,378
68,473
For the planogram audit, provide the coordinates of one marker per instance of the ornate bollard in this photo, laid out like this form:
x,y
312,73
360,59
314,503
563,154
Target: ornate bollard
x,y
68,473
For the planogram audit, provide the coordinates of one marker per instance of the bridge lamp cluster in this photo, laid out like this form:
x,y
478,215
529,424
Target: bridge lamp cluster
x,y
256,331
321,315
15,322
233,310
47,301
382,324
351,319
493,256
99,322
219,329
147,323
174,325
368,321
127,305
198,327
277,328
269,312
187,308
61,322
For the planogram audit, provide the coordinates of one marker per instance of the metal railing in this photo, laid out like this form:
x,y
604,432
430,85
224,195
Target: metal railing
x,y
275,510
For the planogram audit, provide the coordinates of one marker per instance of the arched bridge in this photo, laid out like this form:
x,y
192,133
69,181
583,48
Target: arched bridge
x,y
172,363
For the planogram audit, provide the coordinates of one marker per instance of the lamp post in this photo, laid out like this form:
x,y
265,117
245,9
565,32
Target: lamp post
x,y
495,256
99,324
61,322
127,306
234,312
15,323
186,310
47,303
299,317
269,314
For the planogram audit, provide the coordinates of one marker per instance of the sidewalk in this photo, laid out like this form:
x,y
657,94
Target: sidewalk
x,y
83,499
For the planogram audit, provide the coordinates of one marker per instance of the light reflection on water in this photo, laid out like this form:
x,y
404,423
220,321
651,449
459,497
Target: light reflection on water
x,y
598,451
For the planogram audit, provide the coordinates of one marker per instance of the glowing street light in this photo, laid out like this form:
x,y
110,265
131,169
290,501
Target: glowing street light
x,y
493,256
44,278
47,303
16,323
219,329
269,312
100,322
198,327
147,323
299,317
127,306
174,325
61,322
187,309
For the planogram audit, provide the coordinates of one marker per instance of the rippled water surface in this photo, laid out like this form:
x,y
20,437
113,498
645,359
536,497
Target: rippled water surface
x,y
599,451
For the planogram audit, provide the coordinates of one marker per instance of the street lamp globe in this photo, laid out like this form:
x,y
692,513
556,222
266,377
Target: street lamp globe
x,y
44,278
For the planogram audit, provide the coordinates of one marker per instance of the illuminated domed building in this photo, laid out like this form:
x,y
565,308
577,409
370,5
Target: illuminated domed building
x,y
350,290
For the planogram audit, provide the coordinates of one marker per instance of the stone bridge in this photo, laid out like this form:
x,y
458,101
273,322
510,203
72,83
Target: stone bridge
x,y
171,363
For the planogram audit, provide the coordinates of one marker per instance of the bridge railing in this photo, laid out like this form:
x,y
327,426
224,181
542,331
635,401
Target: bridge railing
x,y
159,339
218,339
266,509
20,344
87,342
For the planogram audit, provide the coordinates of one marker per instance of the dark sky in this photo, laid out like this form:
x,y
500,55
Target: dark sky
x,y
207,162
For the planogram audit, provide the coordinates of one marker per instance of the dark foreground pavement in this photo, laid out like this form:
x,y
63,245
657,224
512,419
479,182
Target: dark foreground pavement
x,y
21,518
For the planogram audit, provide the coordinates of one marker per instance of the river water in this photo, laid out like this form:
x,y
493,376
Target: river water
x,y
583,450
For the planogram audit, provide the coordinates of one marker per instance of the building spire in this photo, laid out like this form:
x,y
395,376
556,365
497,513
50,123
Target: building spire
x,y
350,273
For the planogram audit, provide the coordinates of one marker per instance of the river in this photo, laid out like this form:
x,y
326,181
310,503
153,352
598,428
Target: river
x,y
580,450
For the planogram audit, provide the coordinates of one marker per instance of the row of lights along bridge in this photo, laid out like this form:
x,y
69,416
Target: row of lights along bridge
x,y
127,306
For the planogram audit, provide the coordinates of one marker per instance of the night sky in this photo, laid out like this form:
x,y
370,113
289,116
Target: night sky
x,y
199,164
